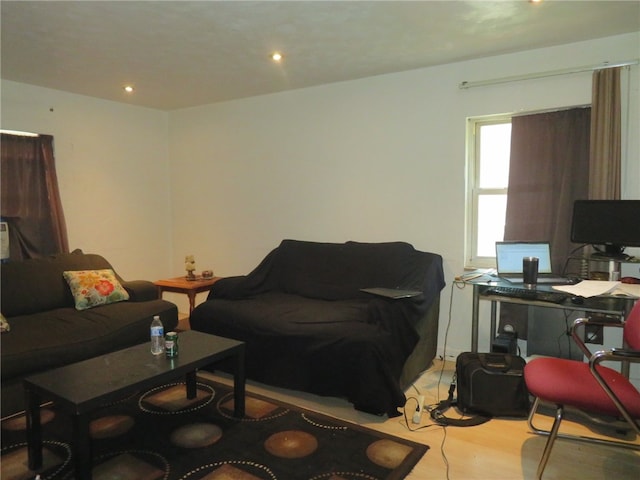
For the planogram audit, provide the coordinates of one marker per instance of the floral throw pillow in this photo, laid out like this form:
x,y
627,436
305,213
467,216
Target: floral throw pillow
x,y
4,325
91,288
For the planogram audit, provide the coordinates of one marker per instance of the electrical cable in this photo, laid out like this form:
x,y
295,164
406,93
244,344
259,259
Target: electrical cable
x,y
564,334
568,327
407,422
444,455
460,286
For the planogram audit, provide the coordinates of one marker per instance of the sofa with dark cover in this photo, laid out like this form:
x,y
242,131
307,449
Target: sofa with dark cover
x,y
46,329
309,326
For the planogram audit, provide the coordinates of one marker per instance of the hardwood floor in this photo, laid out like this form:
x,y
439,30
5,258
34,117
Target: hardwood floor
x,y
498,449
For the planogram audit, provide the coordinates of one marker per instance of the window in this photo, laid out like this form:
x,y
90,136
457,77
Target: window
x,y
488,150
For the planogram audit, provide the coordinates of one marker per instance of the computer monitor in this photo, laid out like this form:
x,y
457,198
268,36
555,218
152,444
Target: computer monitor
x,y
608,225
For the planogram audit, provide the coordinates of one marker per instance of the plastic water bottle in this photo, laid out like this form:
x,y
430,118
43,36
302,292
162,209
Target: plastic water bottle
x,y
157,336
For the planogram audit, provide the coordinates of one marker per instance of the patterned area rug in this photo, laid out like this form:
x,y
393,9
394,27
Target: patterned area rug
x,y
159,434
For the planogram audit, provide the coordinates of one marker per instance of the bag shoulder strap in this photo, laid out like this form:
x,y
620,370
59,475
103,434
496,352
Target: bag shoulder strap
x,y
438,416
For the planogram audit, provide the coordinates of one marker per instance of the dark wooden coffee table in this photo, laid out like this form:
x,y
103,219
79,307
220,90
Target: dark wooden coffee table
x,y
80,388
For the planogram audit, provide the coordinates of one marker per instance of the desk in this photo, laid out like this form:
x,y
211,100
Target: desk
x,y
609,305
189,287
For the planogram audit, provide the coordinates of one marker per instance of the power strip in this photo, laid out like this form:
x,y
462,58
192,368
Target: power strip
x,y
417,416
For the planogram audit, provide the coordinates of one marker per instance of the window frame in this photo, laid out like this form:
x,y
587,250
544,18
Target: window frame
x,y
473,190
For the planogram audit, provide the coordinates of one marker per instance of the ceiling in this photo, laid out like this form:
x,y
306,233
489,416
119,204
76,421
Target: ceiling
x,y
186,53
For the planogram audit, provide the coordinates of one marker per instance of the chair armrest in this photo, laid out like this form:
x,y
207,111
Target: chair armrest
x,y
577,331
230,287
141,290
616,354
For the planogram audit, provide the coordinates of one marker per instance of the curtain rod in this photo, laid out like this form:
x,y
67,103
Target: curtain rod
x,y
19,133
530,76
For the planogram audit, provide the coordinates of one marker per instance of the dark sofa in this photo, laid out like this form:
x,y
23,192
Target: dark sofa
x,y
309,326
46,330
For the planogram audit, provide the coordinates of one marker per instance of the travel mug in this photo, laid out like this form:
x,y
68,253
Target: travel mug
x,y
530,272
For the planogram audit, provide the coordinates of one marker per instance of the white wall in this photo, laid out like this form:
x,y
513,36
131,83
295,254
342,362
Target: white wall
x,y
376,159
112,166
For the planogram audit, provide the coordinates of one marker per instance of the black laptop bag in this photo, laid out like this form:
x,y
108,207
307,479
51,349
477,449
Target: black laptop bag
x,y
491,384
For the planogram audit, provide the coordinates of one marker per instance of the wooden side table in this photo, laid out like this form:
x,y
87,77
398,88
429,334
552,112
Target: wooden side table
x,y
189,287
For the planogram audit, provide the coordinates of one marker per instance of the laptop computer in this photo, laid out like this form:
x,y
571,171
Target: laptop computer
x,y
509,262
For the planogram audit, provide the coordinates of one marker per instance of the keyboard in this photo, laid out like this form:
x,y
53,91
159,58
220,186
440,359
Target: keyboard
x,y
512,292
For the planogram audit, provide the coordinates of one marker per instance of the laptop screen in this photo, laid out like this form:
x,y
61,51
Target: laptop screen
x,y
509,256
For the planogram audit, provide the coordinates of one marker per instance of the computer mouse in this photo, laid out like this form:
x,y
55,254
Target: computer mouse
x,y
577,300
630,280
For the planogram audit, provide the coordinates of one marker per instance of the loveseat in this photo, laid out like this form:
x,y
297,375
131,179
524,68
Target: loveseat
x,y
309,325
46,330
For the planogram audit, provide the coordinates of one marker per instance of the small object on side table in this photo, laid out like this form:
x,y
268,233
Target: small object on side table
x,y
207,274
190,266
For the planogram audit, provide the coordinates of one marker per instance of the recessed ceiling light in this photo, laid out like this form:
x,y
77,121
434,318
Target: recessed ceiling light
x,y
128,88
276,56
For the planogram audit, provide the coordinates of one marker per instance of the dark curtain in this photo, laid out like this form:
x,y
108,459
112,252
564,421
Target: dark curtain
x,y
549,169
606,135
30,200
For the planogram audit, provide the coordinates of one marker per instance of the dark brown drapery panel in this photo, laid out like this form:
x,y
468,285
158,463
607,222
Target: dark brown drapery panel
x,y
606,143
30,200
549,169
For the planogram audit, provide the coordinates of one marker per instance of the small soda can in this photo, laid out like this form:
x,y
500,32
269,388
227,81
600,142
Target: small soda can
x,y
171,344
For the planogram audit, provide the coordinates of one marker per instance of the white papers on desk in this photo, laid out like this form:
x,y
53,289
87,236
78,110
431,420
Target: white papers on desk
x,y
629,289
593,288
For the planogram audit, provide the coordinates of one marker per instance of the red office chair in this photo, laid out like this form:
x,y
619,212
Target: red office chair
x,y
589,387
